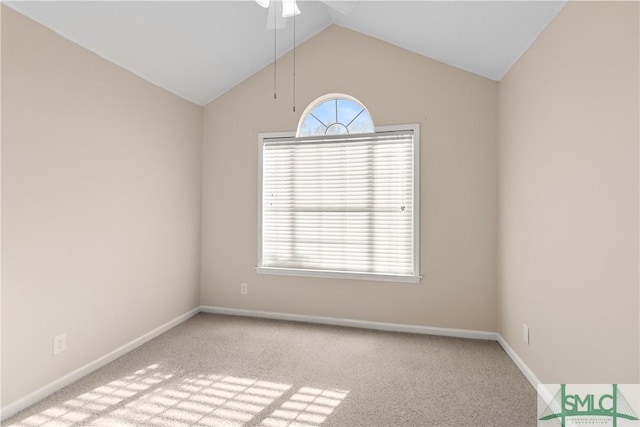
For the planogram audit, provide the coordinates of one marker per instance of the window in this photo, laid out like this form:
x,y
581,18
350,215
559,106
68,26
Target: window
x,y
335,116
340,198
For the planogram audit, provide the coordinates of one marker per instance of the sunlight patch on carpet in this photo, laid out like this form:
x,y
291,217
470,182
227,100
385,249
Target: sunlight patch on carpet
x,y
153,397
308,407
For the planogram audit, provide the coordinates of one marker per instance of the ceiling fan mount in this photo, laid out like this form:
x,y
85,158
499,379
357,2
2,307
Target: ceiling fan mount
x,y
290,8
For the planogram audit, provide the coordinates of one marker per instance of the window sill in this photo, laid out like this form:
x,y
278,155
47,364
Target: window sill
x,y
326,274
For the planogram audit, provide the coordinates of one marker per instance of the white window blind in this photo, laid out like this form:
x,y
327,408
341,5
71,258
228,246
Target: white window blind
x,y
342,204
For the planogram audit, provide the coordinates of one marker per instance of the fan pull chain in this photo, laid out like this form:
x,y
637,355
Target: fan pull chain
x,y
294,63
275,55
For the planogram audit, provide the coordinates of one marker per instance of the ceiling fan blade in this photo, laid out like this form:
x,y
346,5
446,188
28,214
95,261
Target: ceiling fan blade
x,y
289,8
274,17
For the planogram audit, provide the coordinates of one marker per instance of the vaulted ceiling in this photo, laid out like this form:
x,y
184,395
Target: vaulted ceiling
x,y
200,49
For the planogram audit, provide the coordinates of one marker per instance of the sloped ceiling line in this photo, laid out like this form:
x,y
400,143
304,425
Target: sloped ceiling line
x,y
201,49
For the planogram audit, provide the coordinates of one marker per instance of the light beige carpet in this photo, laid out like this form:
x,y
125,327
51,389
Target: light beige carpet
x,y
218,370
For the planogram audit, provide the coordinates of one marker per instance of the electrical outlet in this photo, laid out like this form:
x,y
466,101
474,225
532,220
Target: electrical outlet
x,y
59,343
525,333
244,288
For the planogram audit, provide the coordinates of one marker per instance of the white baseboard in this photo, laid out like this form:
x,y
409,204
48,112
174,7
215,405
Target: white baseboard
x,y
393,327
526,371
31,398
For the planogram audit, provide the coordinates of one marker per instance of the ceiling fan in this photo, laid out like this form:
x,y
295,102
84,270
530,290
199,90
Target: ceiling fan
x,y
290,8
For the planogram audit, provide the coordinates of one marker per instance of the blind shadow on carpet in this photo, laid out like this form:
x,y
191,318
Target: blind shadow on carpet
x,y
216,370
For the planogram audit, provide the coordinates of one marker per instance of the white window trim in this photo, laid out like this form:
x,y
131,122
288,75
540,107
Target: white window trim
x,y
322,100
344,274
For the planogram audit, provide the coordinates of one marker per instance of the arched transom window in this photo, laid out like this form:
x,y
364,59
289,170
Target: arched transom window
x,y
335,114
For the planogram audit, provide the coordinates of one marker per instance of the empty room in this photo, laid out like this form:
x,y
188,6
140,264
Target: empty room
x,y
320,213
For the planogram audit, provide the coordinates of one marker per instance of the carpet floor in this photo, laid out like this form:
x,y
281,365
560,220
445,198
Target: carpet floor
x,y
216,370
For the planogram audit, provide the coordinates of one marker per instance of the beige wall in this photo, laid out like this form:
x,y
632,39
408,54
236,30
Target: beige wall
x,y
569,197
457,112
101,188
101,195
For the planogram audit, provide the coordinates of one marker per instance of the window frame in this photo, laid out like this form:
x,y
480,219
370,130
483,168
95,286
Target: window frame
x,y
331,274
330,97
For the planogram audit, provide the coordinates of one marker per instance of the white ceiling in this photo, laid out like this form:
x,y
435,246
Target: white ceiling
x,y
200,49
